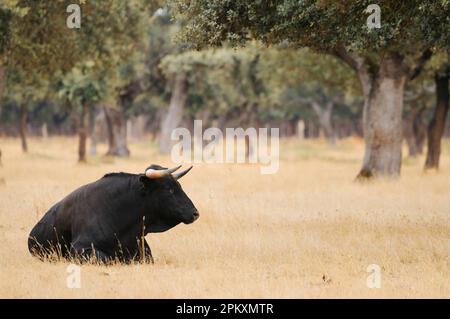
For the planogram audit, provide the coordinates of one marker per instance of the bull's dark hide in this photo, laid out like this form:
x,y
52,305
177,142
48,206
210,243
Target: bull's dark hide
x,y
108,219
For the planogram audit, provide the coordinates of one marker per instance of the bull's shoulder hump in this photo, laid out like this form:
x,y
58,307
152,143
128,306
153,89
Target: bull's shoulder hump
x,y
120,174
122,179
103,184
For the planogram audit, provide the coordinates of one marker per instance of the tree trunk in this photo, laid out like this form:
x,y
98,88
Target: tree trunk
x,y
82,132
382,119
205,117
413,131
248,119
44,130
2,82
437,124
136,127
23,127
155,124
117,133
324,115
408,135
419,130
92,132
109,129
175,113
311,131
301,129
358,128
2,90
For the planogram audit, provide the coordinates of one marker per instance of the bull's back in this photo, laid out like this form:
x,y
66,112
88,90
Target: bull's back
x,y
45,237
93,213
53,233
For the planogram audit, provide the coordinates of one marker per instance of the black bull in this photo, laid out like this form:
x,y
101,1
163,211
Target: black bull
x,y
108,219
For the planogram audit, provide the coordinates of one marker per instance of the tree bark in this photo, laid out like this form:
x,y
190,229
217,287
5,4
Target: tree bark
x,y
109,129
248,119
136,127
301,129
92,132
118,120
44,130
408,136
324,115
82,132
205,117
117,133
2,90
419,130
382,118
175,113
383,85
414,131
2,80
437,123
155,124
23,127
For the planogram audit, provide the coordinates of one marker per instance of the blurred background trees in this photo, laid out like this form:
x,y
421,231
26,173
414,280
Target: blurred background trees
x,y
312,69
384,59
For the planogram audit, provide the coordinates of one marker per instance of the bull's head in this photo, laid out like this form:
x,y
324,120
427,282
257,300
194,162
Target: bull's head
x,y
168,198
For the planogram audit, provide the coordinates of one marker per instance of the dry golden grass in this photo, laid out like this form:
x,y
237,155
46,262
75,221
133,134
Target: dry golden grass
x,y
307,231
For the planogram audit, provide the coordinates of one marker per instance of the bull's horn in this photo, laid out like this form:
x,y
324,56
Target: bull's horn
x,y
158,173
181,174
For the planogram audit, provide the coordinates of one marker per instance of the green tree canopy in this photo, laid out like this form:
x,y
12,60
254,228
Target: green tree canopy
x,y
384,58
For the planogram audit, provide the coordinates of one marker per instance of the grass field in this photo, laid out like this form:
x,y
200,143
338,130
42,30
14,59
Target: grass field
x,y
307,231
